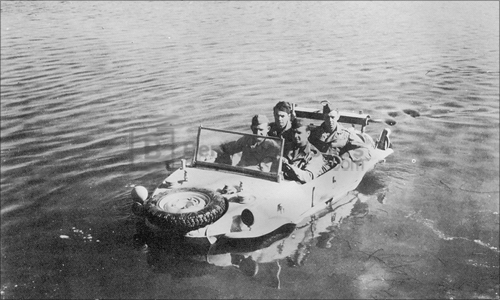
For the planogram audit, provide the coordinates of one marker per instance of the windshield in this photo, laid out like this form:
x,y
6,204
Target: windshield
x,y
250,154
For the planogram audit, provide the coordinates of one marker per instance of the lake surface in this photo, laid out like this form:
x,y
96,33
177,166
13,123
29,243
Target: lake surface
x,y
95,96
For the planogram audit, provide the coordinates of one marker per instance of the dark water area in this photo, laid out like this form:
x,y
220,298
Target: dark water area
x,y
95,96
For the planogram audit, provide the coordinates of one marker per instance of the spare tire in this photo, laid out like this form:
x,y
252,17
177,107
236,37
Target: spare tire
x,y
185,209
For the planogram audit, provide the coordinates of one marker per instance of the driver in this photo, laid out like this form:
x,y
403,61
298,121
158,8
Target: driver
x,y
302,161
258,153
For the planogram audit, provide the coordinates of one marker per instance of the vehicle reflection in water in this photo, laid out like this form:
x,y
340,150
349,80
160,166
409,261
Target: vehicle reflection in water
x,y
284,248
265,256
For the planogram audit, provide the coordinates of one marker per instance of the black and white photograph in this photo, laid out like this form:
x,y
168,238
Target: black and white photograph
x,y
250,149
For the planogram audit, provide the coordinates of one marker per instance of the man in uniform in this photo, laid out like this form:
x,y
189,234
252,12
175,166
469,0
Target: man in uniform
x,y
302,161
330,136
258,153
337,143
282,125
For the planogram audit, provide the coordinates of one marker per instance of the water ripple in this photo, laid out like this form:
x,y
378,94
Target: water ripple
x,y
80,100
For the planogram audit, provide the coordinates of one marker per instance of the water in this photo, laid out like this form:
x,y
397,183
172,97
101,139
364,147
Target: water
x,y
85,85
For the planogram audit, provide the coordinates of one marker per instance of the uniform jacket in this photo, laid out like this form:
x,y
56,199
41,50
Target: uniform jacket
x,y
286,133
308,159
260,156
356,145
321,138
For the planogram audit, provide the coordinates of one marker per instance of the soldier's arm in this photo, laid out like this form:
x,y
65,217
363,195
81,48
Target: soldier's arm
x,y
316,141
340,140
302,176
233,146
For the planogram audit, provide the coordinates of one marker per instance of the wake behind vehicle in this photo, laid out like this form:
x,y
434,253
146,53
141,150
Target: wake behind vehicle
x,y
213,197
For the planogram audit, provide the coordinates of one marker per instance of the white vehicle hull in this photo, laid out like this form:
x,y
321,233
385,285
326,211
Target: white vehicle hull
x,y
273,204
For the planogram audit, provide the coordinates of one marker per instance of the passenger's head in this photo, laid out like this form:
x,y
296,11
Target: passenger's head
x,y
301,132
331,117
282,114
260,125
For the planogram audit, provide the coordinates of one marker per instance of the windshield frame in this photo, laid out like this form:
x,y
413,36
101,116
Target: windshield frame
x,y
277,177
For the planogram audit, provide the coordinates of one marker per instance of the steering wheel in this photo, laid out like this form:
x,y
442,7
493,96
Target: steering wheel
x,y
288,172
